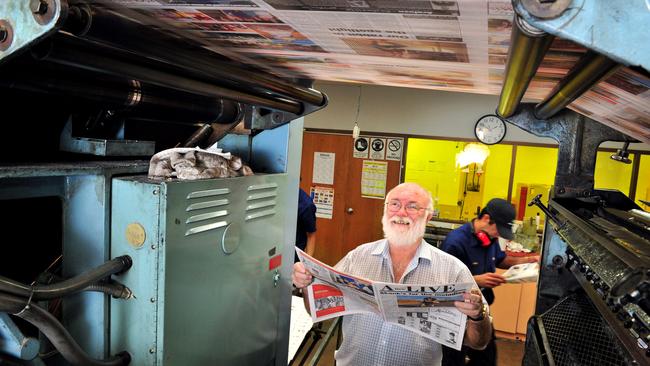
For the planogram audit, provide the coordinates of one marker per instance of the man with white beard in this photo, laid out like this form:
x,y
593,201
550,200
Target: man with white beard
x,y
402,257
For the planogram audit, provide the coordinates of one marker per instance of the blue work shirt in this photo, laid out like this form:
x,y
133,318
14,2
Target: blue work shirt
x,y
306,220
464,245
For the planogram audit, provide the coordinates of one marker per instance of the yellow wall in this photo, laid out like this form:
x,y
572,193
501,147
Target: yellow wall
x,y
497,173
535,169
431,163
612,174
643,182
535,165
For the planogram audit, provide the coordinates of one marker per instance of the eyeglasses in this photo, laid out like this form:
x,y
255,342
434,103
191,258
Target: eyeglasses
x,y
411,207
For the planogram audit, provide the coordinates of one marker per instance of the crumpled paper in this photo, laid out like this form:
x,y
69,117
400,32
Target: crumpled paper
x,y
188,163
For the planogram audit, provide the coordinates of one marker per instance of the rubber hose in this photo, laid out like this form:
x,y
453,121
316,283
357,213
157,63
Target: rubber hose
x,y
69,286
116,290
56,333
113,288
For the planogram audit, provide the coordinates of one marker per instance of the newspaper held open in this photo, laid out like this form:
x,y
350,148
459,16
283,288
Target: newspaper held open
x,y
427,309
522,273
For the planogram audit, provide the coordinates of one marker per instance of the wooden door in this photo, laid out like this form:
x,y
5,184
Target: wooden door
x,y
363,223
355,219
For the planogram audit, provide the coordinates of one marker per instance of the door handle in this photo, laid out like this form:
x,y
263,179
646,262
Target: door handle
x,y
350,210
276,278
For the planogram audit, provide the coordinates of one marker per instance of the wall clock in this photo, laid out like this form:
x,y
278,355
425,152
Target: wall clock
x,y
490,129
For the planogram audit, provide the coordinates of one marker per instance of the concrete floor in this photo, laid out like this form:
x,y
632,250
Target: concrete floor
x,y
509,352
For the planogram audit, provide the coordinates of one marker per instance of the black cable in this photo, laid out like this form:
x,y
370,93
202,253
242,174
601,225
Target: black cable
x,y
56,333
69,286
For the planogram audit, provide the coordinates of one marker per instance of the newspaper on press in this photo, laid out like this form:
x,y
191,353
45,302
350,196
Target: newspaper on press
x,y
427,309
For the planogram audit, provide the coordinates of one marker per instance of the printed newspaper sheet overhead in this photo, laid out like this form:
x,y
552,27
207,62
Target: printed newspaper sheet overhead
x,y
457,45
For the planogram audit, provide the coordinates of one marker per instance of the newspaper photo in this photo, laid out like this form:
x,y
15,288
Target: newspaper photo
x,y
427,309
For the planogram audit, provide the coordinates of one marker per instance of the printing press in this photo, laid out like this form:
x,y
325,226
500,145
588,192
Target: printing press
x,y
592,302
592,306
103,265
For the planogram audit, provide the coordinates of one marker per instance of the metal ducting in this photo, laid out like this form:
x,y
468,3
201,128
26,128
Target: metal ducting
x,y
591,68
527,49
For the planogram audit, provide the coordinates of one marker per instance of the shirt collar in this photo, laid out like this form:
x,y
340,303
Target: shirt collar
x,y
382,250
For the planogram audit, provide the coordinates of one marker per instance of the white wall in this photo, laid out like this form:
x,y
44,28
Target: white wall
x,y
414,112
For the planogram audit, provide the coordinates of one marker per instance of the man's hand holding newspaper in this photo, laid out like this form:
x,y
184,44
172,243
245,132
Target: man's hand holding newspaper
x,y
427,309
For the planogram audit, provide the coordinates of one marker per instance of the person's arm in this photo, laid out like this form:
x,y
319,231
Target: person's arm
x,y
478,331
310,248
301,278
456,248
489,280
510,261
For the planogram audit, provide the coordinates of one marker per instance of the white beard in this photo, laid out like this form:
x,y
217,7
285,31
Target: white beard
x,y
403,235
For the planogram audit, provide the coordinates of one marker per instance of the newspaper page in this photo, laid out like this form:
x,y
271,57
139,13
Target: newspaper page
x,y
425,309
334,293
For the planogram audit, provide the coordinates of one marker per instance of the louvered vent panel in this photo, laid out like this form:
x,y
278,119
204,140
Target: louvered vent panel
x,y
206,210
261,201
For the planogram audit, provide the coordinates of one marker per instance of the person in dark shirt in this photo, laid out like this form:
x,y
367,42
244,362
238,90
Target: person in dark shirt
x,y
306,225
476,244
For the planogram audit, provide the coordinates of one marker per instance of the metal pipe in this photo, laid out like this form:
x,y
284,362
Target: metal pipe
x,y
198,136
67,51
98,22
14,342
528,46
56,333
136,98
591,68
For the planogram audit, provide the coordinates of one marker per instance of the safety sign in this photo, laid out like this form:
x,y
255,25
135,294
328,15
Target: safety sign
x,y
361,148
377,148
395,146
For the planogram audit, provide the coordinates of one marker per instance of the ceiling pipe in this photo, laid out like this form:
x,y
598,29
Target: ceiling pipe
x,y
528,46
135,98
589,70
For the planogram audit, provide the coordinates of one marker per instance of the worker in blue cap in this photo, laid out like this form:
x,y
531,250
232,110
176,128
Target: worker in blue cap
x,y
476,244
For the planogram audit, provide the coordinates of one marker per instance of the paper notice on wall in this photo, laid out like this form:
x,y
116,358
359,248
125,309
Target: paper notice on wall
x,y
373,179
323,168
324,201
